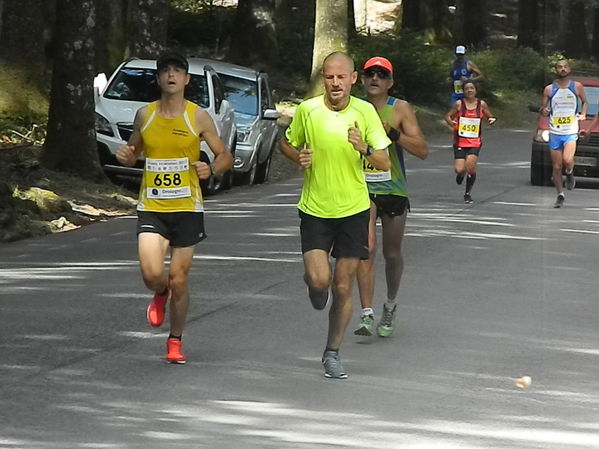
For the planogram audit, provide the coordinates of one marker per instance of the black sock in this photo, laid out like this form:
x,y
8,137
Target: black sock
x,y
174,336
327,349
470,181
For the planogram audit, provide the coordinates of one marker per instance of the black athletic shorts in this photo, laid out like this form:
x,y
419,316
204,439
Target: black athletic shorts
x,y
341,237
390,205
462,152
181,229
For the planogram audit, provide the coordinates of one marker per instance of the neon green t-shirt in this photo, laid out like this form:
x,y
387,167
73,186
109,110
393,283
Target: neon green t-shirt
x,y
334,185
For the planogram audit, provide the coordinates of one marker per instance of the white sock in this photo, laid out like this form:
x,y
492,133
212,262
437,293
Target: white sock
x,y
367,311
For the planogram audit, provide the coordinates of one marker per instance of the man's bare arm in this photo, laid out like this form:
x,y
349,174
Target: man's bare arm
x,y
223,160
129,153
411,137
474,69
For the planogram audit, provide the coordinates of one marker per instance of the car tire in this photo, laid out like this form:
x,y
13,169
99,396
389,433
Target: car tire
x,y
248,177
264,169
540,175
227,180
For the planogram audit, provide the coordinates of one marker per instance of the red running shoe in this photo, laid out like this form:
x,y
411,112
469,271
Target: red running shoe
x,y
156,308
173,351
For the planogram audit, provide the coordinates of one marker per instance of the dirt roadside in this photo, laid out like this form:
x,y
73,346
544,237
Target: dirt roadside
x,y
35,201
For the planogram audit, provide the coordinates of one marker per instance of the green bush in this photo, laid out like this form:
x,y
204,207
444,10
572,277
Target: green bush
x,y
511,69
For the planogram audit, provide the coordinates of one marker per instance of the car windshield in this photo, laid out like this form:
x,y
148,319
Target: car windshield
x,y
140,85
241,93
592,93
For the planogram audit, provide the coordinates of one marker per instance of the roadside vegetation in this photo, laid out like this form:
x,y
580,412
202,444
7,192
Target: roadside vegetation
x,y
514,78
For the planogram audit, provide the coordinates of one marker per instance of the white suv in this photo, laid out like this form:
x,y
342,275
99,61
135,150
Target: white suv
x,y
133,85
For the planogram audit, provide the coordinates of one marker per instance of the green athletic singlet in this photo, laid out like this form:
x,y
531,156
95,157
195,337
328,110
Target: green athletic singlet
x,y
396,185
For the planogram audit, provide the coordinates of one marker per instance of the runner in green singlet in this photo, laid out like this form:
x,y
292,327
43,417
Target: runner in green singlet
x,y
388,194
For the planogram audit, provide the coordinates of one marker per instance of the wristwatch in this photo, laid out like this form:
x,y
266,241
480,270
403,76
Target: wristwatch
x,y
369,151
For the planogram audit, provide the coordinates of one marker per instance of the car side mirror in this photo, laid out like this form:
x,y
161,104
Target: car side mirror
x,y
270,114
100,83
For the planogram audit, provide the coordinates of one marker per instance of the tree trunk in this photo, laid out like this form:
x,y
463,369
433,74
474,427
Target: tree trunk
x,y
471,22
411,18
574,40
254,35
528,24
351,19
595,41
26,31
440,20
111,40
360,16
71,144
147,22
295,30
1,11
330,34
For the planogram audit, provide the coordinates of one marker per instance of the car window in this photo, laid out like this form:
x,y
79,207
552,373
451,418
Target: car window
x,y
197,91
133,84
241,93
592,94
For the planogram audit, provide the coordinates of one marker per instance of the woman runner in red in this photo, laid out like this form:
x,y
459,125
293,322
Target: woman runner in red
x,y
465,118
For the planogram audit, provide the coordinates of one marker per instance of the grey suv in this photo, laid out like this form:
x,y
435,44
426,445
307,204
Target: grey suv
x,y
133,85
249,93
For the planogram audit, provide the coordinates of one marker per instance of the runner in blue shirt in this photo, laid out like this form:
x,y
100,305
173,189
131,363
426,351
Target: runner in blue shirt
x,y
462,69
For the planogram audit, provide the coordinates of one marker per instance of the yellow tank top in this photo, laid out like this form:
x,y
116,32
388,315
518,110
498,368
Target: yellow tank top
x,y
170,183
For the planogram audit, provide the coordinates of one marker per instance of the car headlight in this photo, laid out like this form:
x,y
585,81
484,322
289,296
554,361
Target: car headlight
x,y
243,134
103,126
542,135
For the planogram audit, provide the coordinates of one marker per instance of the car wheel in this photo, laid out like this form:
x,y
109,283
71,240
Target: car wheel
x,y
540,175
248,177
227,180
264,169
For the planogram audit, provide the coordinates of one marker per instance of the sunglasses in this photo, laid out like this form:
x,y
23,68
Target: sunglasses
x,y
382,74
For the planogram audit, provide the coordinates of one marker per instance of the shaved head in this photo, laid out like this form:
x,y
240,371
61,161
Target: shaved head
x,y
336,55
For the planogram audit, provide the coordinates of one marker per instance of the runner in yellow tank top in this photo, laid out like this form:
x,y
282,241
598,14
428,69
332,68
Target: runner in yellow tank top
x,y
170,210
171,147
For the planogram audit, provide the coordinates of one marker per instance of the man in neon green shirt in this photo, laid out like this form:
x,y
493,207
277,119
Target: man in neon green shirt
x,y
330,136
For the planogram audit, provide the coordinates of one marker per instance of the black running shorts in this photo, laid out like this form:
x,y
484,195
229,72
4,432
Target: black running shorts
x,y
462,152
181,229
342,237
390,205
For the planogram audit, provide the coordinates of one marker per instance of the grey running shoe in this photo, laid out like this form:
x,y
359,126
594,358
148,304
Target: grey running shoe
x,y
467,198
365,326
459,178
318,298
385,326
559,202
332,366
570,181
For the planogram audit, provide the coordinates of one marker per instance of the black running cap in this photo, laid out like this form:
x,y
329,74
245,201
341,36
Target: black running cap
x,y
173,59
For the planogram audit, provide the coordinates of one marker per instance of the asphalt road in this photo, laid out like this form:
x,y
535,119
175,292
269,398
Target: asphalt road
x,y
496,290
